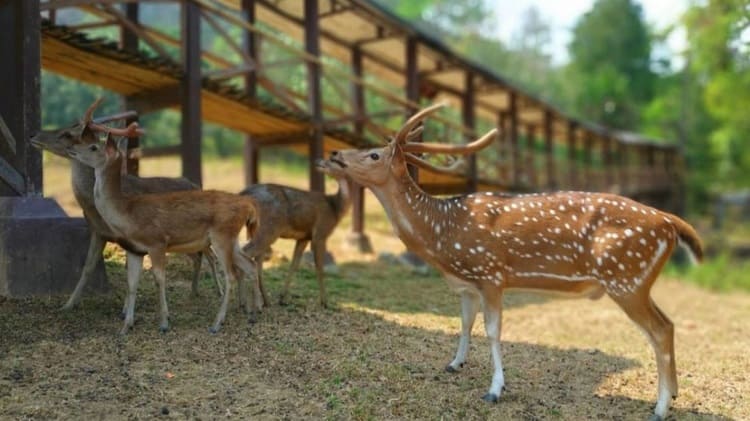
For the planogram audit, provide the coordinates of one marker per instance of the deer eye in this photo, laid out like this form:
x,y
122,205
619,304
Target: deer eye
x,y
93,148
374,156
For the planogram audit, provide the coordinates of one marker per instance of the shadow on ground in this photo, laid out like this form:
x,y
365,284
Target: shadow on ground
x,y
299,361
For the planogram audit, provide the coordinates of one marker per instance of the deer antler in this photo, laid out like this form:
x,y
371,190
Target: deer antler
x,y
424,164
404,133
133,130
88,116
418,147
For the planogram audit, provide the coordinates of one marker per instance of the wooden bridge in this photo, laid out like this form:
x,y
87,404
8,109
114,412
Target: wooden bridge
x,y
318,75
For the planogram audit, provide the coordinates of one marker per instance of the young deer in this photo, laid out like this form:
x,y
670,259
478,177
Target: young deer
x,y
308,217
85,133
157,223
571,242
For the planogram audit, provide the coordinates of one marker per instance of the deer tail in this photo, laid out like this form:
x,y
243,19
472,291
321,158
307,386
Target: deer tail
x,y
688,238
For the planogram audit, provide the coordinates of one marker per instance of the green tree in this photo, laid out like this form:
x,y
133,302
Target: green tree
x,y
611,63
719,53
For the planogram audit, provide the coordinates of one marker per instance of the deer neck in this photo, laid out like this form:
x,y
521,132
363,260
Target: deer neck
x,y
413,213
83,179
342,200
108,194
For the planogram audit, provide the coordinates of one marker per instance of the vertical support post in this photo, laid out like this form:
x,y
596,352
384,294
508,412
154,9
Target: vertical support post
x,y
549,150
609,167
129,42
20,163
531,174
191,124
502,148
250,152
412,89
572,152
357,237
513,139
469,121
314,98
588,169
624,164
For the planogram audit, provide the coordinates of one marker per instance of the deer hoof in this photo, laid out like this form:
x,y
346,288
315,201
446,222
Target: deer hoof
x,y
163,329
450,369
213,330
490,397
655,417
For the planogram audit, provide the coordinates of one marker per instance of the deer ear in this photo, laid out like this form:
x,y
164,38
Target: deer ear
x,y
110,147
122,145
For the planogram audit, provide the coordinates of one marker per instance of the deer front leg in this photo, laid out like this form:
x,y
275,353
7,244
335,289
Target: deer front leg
x,y
319,250
158,261
224,253
249,269
134,263
493,308
96,246
211,258
197,259
299,248
469,309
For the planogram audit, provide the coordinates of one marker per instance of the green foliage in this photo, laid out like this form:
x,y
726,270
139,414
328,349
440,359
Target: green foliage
x,y
611,63
720,273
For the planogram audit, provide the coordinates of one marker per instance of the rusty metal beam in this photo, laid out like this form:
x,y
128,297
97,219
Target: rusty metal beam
x,y
314,95
190,87
469,120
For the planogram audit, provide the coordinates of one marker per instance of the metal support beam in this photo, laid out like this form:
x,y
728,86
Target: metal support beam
x,y
572,152
549,150
412,88
19,90
469,121
513,140
191,124
129,42
251,152
531,156
314,98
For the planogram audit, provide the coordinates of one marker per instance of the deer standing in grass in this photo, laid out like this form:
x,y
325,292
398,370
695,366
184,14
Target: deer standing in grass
x,y
85,133
580,243
157,223
305,216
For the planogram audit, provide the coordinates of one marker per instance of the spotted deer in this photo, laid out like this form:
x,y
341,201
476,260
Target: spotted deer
x,y
304,216
157,223
85,132
588,244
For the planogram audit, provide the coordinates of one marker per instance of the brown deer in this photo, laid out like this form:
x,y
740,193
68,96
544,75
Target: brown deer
x,y
157,223
484,243
305,216
85,133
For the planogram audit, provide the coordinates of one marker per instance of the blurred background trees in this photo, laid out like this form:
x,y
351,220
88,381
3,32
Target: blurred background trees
x,y
616,74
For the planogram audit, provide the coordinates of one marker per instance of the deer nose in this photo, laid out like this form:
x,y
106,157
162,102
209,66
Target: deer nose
x,y
334,154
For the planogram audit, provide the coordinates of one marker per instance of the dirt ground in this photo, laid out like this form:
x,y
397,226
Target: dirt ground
x,y
377,353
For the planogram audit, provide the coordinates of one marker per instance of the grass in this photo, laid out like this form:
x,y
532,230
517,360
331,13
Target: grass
x,y
720,273
378,353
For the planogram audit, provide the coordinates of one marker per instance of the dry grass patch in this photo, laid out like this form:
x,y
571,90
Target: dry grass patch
x,y
378,353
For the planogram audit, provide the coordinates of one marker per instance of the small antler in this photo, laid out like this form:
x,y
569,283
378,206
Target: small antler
x,y
405,131
422,163
466,149
133,130
88,116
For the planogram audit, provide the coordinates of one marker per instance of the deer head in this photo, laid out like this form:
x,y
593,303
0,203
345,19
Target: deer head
x,y
375,167
84,132
98,155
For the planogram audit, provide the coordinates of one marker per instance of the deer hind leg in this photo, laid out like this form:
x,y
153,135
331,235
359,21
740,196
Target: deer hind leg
x,y
248,269
96,247
660,332
319,250
211,259
197,259
493,309
470,304
134,263
158,262
224,252
299,248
